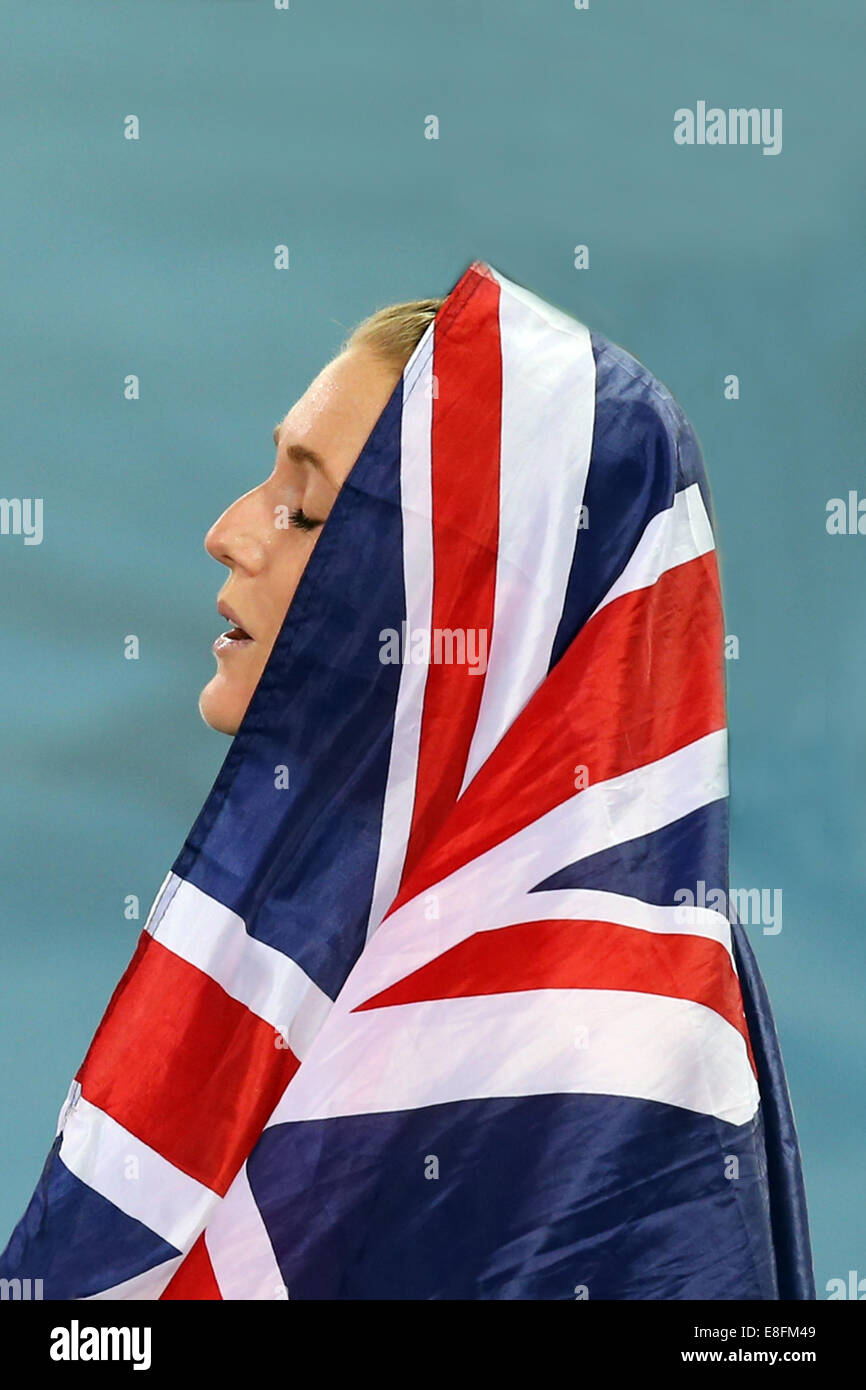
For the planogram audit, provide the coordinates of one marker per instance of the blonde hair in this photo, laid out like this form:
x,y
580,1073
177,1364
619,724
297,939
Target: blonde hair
x,y
394,332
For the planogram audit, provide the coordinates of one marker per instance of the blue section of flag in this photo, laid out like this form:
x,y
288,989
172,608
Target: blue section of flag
x,y
527,1198
786,1192
77,1241
685,854
636,467
298,864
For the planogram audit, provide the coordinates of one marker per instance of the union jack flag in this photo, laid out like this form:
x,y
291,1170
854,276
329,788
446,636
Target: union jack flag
x,y
426,1022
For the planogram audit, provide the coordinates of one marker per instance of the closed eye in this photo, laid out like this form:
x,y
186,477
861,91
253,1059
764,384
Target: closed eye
x,y
302,521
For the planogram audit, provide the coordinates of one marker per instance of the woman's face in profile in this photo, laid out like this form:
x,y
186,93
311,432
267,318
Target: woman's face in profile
x,y
266,537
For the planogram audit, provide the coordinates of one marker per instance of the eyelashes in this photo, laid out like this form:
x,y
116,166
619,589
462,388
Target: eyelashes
x,y
302,521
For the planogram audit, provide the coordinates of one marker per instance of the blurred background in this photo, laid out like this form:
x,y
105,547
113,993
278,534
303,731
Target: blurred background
x,y
155,257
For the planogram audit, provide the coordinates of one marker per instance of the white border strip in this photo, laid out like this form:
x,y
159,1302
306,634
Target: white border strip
x,y
548,414
212,938
597,905
417,507
240,1250
134,1177
673,537
534,1042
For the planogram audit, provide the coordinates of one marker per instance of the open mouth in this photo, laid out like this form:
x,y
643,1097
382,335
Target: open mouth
x,y
234,636
235,639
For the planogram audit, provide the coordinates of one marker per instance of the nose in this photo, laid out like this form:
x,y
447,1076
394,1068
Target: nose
x,y
236,538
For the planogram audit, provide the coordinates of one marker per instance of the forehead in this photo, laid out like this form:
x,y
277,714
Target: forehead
x,y
339,408
329,394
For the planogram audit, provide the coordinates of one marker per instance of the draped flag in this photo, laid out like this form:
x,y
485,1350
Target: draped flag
x,y
418,1013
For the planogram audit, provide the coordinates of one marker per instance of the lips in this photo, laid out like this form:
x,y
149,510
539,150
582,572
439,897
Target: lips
x,y
236,634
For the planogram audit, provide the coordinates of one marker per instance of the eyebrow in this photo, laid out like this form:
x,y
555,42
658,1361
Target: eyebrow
x,y
301,454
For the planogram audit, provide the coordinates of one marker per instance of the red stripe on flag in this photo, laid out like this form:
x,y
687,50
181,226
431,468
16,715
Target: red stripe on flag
x,y
642,679
554,954
194,1279
465,443
184,1067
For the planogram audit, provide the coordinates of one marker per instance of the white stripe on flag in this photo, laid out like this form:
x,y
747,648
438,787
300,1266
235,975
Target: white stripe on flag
x,y
417,505
133,1176
673,537
498,882
211,937
239,1247
597,905
548,413
535,1042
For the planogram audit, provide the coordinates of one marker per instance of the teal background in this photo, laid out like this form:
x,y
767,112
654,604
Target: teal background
x,y
155,257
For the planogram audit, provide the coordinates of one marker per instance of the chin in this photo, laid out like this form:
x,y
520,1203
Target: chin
x,y
220,708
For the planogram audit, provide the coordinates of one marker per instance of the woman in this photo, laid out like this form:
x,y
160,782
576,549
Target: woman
x,y
418,1012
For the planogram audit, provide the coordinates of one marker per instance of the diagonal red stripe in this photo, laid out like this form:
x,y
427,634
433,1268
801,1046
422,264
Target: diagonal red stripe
x,y
642,679
465,442
554,954
194,1279
184,1067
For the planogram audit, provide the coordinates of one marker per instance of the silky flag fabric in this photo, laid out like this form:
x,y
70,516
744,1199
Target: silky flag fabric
x,y
425,1017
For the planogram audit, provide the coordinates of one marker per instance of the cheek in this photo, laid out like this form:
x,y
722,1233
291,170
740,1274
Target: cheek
x,y
281,583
